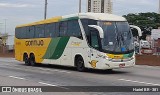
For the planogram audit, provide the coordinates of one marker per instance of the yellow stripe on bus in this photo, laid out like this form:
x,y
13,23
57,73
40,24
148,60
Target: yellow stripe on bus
x,y
115,56
55,19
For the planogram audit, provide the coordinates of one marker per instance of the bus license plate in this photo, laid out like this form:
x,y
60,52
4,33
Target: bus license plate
x,y
122,65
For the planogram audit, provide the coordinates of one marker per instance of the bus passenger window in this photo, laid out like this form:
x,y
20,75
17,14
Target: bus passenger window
x,y
47,32
39,31
23,33
63,29
50,30
74,29
31,32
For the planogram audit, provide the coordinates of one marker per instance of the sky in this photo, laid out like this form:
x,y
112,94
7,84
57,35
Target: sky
x,y
17,12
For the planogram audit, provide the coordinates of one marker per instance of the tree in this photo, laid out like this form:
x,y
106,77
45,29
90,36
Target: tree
x,y
146,21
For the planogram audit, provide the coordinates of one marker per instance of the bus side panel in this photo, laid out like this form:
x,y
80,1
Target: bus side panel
x,y
74,46
55,52
79,47
17,49
66,58
36,46
40,49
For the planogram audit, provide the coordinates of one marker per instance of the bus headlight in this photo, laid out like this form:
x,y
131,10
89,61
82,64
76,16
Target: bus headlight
x,y
105,57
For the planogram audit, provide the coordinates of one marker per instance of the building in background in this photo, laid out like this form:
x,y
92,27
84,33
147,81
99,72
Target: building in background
x,y
4,38
100,6
6,42
10,43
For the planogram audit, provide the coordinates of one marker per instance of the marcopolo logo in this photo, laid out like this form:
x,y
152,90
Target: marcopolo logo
x,y
34,43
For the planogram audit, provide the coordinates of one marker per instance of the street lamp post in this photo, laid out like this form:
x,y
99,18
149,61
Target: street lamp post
x,y
80,6
5,25
1,27
159,7
45,10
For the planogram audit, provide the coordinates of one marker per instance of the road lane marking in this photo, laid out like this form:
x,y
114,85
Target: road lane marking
x,y
46,84
39,70
52,85
61,71
19,67
148,83
16,77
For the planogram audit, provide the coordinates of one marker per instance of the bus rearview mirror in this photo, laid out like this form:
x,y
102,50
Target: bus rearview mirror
x,y
100,30
138,29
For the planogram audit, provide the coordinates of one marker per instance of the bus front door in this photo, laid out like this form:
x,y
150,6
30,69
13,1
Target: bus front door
x,y
94,42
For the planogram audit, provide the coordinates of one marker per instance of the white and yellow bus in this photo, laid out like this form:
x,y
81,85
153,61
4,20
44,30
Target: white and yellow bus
x,y
84,40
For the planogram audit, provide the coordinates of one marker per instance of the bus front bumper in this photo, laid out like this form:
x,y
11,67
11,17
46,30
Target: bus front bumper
x,y
112,64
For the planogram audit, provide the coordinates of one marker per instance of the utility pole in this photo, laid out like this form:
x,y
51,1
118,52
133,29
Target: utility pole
x,y
1,24
5,25
45,10
159,7
80,6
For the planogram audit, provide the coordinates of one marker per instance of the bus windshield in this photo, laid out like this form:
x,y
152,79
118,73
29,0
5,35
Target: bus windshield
x,y
117,37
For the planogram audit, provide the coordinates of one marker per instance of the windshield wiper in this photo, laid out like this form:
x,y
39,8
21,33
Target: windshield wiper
x,y
117,41
122,39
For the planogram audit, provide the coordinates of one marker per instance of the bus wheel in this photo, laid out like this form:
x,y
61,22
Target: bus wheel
x,y
32,60
80,64
26,60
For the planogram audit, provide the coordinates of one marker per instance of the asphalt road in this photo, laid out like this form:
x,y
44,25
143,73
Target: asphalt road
x,y
14,73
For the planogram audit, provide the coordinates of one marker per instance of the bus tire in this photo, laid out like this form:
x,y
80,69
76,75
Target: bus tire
x,y
32,60
80,64
26,60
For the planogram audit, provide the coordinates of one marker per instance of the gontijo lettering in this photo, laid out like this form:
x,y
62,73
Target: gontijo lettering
x,y
34,43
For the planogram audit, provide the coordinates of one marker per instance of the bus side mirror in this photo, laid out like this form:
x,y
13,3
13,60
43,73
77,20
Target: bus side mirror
x,y
100,30
138,29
